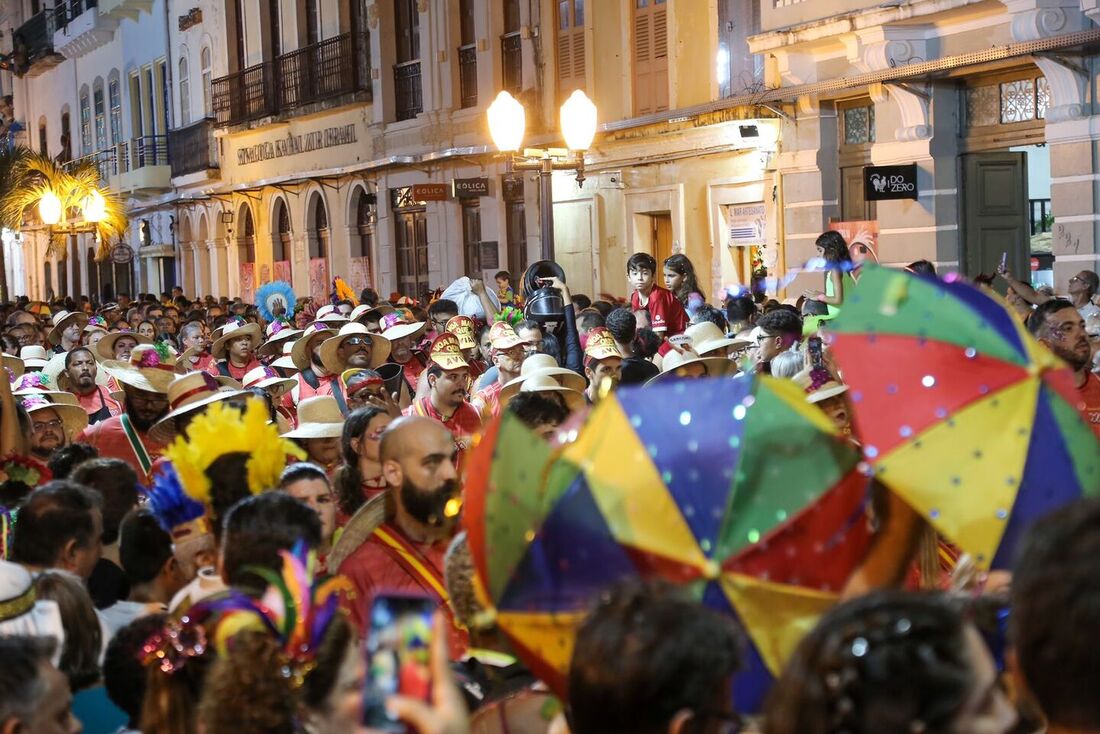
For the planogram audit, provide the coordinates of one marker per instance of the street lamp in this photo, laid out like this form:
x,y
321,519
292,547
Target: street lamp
x,y
507,124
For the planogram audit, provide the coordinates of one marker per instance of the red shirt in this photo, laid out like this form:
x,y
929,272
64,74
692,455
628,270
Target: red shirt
x,y
488,400
1089,407
462,424
376,568
665,310
97,400
237,373
326,385
109,438
203,363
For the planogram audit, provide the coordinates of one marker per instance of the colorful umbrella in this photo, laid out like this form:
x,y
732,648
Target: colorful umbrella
x,y
960,411
737,488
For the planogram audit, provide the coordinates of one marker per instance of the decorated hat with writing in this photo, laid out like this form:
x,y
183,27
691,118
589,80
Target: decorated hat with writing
x,y
446,352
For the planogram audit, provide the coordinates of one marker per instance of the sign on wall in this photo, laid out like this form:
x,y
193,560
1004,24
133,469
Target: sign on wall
x,y
289,144
470,188
883,183
428,192
747,223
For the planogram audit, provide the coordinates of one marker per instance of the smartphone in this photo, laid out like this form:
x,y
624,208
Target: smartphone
x,y
813,346
398,656
1004,261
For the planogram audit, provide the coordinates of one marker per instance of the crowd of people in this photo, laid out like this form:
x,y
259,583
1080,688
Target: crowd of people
x,y
201,500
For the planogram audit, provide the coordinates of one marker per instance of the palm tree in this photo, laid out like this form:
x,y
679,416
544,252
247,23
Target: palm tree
x,y
33,175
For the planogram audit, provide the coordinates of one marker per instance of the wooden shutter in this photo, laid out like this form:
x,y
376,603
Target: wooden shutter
x,y
570,51
650,57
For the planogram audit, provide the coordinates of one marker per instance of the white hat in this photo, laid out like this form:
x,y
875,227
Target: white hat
x,y
330,315
298,353
318,417
830,389
22,613
547,366
706,337
186,394
380,348
73,417
268,379
676,360
234,330
540,382
33,356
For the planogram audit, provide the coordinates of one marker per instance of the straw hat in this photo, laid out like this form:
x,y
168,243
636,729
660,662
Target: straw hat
x,y
286,362
95,323
706,337
278,332
33,357
233,330
329,351
318,417
366,313
830,389
601,345
73,417
61,320
446,352
298,353
676,360
268,379
105,348
546,366
539,382
15,366
331,315
394,327
186,394
463,328
147,369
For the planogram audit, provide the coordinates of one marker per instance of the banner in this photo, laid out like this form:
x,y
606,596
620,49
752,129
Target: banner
x,y
248,282
319,285
360,276
265,274
282,271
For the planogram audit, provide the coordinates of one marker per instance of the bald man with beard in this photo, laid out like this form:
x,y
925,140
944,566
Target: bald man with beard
x,y
405,553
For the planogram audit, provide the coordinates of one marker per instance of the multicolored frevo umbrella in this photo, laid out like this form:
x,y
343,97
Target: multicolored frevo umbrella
x,y
960,411
736,488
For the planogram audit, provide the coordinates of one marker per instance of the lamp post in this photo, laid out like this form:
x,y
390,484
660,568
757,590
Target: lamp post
x,y
507,124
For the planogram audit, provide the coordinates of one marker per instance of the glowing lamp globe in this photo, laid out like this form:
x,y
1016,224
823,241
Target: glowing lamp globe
x,y
49,208
507,122
94,207
578,121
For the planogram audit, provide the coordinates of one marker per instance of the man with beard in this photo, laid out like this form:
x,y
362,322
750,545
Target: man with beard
x,y
449,384
405,553
312,379
80,380
1058,324
53,425
235,350
144,381
508,352
403,337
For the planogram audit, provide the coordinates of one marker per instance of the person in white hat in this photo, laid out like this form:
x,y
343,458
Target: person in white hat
x,y
320,426
684,365
118,345
234,351
188,395
53,424
831,397
34,358
67,327
313,379
402,336
144,380
24,615
353,346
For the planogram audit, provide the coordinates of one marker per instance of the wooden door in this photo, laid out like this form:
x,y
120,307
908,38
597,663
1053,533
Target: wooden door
x,y
661,237
994,199
573,245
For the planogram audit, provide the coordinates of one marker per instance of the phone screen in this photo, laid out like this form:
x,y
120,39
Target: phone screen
x,y
398,656
813,345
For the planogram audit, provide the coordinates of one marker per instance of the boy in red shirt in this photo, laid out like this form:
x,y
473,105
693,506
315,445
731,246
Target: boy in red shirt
x,y
666,313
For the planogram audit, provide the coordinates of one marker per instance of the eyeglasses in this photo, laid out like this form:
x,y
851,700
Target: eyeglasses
x,y
54,424
1076,279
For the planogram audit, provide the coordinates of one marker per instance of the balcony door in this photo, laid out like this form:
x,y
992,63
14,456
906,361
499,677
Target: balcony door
x,y
406,72
411,242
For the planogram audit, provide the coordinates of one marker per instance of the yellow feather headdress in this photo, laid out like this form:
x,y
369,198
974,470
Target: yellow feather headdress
x,y
223,429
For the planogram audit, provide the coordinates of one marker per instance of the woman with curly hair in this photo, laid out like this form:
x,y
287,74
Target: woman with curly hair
x,y
359,476
890,663
680,278
838,263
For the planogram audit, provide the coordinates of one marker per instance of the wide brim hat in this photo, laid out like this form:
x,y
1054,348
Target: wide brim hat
x,y
674,360
186,394
104,349
63,319
542,364
73,417
318,417
275,386
330,358
251,330
274,343
298,353
331,316
830,389
33,356
151,378
400,331
367,313
707,337
55,371
540,382
14,365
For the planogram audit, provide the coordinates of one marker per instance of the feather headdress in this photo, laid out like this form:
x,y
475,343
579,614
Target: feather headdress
x,y
275,300
179,515
222,429
341,291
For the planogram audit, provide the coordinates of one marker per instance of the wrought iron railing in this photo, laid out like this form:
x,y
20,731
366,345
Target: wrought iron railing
x,y
193,148
320,71
408,92
68,10
148,150
105,161
467,74
511,55
33,40
244,95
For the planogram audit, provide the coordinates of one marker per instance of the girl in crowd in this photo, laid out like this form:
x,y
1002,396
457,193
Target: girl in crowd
x,y
680,278
359,477
147,330
890,663
838,263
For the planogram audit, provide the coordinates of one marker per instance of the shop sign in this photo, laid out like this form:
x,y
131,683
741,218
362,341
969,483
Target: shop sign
x,y
122,254
429,192
470,188
747,223
882,183
288,145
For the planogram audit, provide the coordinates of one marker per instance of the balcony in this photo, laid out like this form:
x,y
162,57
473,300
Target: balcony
x,y
312,74
116,10
777,14
408,93
193,148
467,75
106,161
511,55
143,164
80,29
32,45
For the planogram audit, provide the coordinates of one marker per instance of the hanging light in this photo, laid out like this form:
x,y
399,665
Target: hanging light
x,y
578,121
49,208
507,122
94,207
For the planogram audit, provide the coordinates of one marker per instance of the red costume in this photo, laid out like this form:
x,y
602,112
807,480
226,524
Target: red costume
x,y
110,438
95,402
237,373
462,424
665,310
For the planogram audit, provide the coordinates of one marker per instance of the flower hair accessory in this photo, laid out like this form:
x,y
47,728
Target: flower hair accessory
x,y
24,469
296,610
222,429
33,381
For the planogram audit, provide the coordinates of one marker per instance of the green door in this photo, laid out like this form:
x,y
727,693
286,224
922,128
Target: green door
x,y
994,200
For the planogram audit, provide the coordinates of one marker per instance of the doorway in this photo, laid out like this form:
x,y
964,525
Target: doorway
x,y
660,236
411,244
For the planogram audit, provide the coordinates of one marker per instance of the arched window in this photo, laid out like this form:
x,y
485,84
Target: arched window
x,y
207,80
85,121
99,103
318,241
114,101
281,244
185,91
246,241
